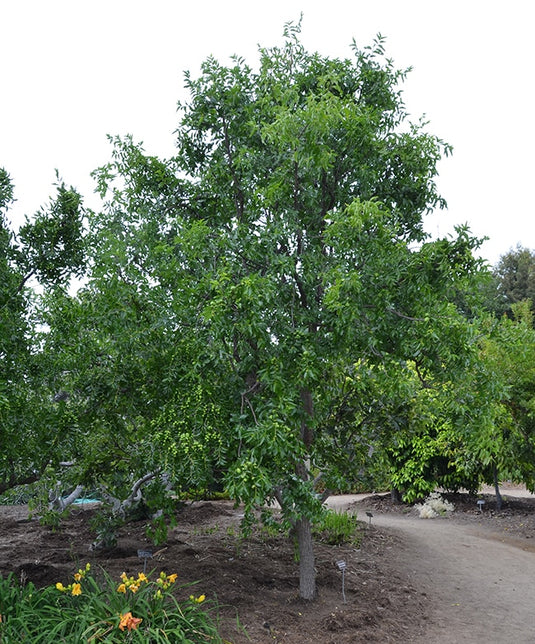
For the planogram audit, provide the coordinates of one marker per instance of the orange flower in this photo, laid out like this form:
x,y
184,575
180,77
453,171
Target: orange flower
x,y
78,576
76,589
129,622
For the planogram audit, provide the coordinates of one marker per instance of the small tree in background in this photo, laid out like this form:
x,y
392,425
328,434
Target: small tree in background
x,y
505,444
513,281
50,249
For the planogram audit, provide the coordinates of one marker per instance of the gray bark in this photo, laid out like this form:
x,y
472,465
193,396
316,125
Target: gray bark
x,y
499,499
307,572
303,527
58,503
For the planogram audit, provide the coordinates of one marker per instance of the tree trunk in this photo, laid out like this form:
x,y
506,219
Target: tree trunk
x,y
395,495
303,527
307,572
499,499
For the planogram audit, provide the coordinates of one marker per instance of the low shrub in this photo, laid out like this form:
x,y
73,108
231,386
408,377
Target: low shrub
x,y
336,528
434,506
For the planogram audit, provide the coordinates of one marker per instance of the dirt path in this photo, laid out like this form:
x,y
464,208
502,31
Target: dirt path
x,y
482,589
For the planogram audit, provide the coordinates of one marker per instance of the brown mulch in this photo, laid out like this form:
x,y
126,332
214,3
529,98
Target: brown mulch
x,y
254,581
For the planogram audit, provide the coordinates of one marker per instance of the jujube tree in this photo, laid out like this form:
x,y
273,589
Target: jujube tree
x,y
278,250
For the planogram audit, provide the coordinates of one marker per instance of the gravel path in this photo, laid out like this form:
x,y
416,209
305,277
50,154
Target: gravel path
x,y
482,589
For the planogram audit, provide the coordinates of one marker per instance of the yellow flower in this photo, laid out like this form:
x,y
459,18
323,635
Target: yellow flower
x,y
129,622
124,576
197,600
78,576
172,578
134,587
76,589
121,589
60,586
142,577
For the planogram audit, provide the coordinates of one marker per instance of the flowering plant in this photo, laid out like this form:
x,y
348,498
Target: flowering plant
x,y
131,584
75,588
139,608
129,622
434,506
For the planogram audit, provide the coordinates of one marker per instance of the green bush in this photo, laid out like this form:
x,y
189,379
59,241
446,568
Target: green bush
x,y
336,528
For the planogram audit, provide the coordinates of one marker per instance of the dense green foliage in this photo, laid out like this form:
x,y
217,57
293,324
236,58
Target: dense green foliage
x,y
263,312
506,445
50,249
238,288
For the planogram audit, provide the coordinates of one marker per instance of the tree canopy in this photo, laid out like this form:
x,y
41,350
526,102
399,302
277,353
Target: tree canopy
x,y
241,289
262,312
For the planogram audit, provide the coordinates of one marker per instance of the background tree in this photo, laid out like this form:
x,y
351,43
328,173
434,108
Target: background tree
x,y
480,427
14,331
14,325
505,443
513,281
49,248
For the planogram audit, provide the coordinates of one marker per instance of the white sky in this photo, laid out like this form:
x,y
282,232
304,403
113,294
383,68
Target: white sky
x,y
73,71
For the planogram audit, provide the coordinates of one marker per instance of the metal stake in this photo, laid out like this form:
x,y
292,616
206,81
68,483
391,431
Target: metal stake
x,y
144,554
342,566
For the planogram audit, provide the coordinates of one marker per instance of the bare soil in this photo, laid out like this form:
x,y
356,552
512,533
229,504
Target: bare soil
x,y
396,580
